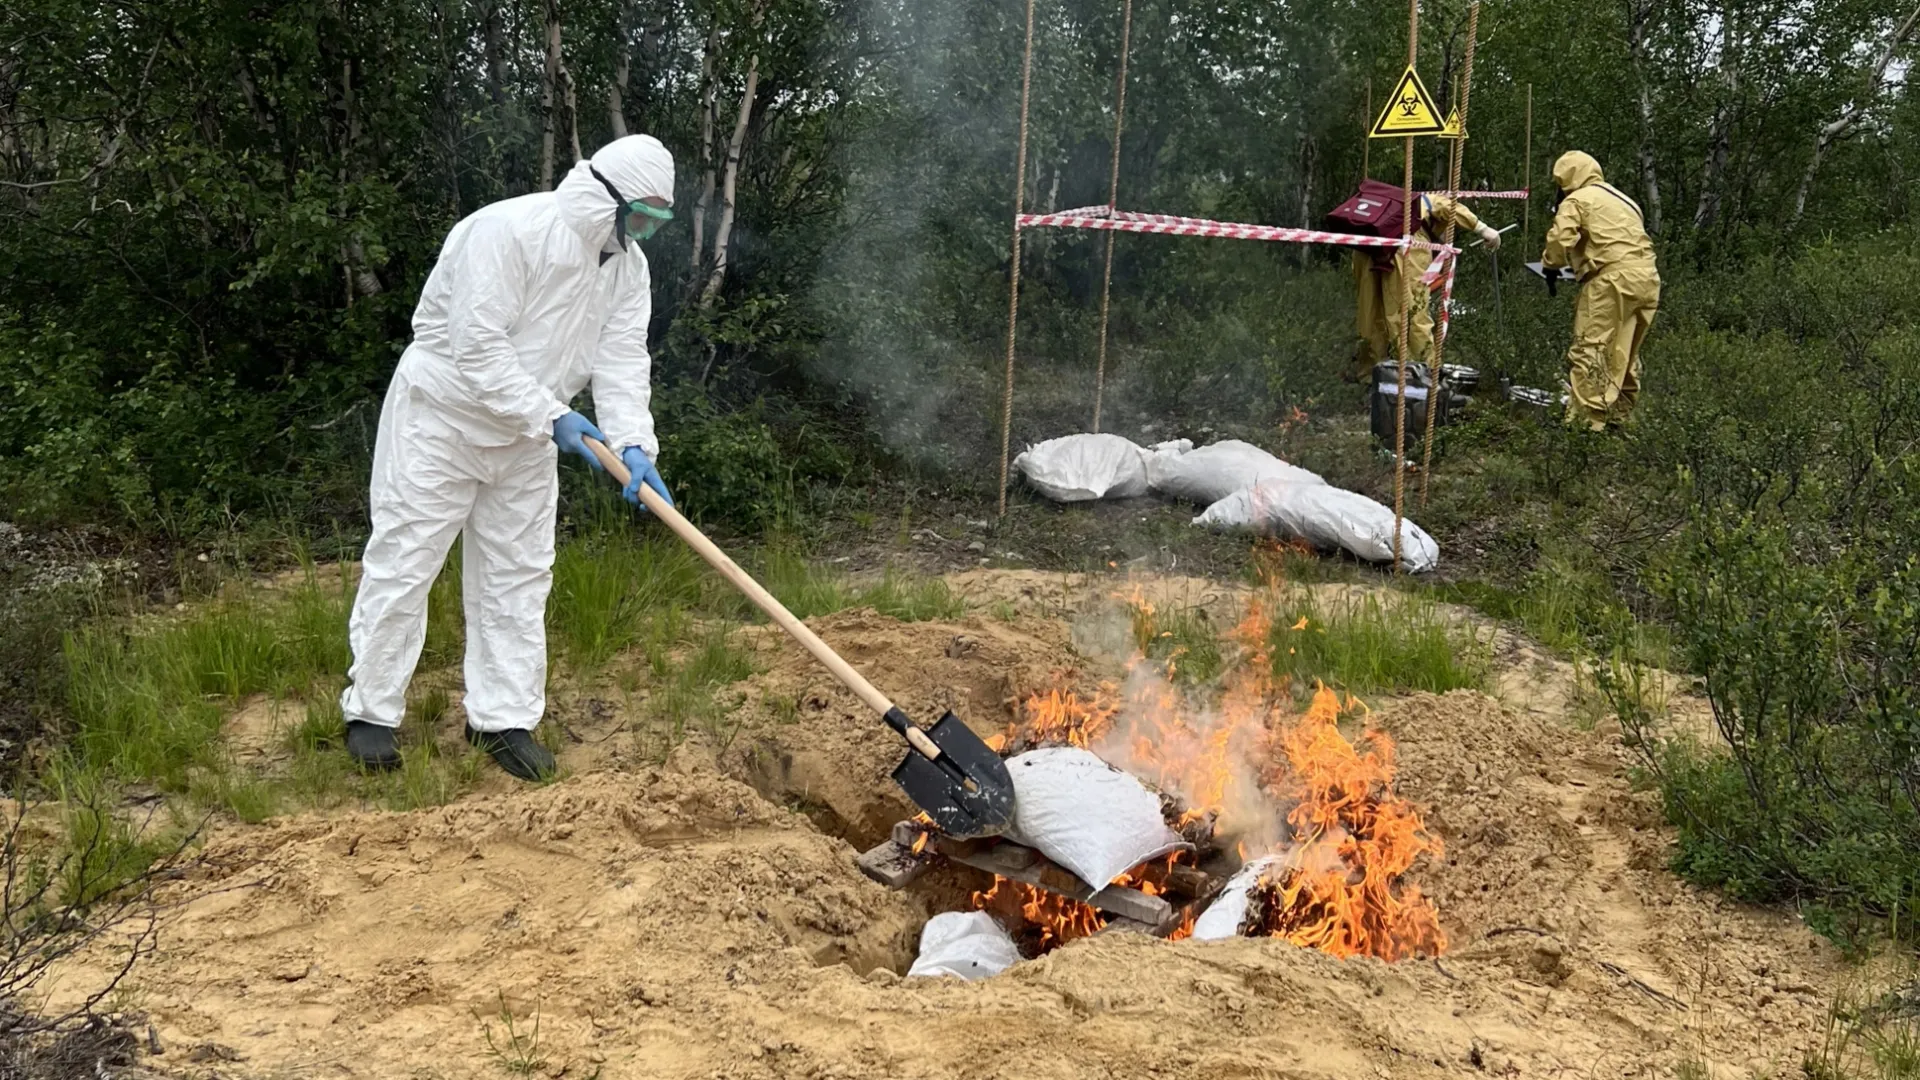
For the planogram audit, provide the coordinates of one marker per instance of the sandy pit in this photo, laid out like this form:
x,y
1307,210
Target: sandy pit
x,y
703,917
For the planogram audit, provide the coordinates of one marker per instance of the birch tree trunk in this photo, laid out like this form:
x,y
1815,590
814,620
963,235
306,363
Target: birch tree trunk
x,y
1720,141
1307,163
709,105
1850,117
622,70
723,233
1640,15
549,87
573,114
496,58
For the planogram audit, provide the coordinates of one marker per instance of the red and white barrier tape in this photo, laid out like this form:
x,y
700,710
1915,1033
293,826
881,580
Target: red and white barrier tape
x,y
1521,194
1446,305
1126,221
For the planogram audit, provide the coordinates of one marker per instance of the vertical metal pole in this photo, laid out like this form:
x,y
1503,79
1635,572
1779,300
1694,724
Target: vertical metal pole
x,y
1013,283
1408,210
1113,201
1366,134
1526,171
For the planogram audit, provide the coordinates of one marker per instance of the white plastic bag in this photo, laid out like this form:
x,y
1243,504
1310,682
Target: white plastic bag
x,y
969,944
1223,917
1213,472
1085,814
1080,468
1326,517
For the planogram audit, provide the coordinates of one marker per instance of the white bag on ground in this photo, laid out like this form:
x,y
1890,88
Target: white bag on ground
x,y
969,944
1326,517
1213,472
1085,814
1223,917
1080,468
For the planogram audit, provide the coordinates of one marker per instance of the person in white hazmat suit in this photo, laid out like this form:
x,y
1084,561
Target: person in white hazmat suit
x,y
533,298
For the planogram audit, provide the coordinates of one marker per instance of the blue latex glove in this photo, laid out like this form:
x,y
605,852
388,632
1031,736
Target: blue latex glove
x,y
568,430
643,473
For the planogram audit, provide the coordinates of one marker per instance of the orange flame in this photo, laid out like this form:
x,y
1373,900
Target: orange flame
x,y
1057,919
1060,718
1339,888
1347,841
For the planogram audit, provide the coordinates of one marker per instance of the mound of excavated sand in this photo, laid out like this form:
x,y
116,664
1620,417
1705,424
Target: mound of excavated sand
x,y
674,923
374,940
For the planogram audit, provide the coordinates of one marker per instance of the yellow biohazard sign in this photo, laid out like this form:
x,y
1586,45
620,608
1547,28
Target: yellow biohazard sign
x,y
1454,129
1410,111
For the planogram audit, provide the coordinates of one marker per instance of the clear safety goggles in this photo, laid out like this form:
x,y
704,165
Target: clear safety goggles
x,y
633,218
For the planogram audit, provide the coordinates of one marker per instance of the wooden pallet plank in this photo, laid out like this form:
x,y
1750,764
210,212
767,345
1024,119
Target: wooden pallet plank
x,y
892,864
1132,904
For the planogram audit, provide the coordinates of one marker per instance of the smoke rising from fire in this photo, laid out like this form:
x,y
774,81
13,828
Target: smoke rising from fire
x,y
1202,754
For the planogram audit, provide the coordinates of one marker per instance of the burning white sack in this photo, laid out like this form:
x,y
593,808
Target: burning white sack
x,y
1213,472
1326,517
1223,917
1081,468
967,944
1085,814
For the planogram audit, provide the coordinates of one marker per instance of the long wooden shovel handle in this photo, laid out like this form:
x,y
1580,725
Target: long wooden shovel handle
x,y
761,598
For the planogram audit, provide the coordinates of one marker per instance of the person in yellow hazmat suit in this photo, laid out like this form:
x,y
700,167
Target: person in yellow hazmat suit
x,y
1380,276
1600,234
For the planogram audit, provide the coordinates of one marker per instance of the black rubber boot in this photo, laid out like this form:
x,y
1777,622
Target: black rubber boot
x,y
516,751
371,746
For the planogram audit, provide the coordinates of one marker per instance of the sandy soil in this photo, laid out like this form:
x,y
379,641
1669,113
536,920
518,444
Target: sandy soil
x,y
703,917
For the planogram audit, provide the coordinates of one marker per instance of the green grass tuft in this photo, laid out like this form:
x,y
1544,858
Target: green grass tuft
x,y
101,851
690,696
912,599
1182,640
1362,643
809,589
615,590
806,588
1871,1034
446,616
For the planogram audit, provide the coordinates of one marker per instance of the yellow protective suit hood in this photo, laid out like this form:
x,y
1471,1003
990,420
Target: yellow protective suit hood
x,y
1575,170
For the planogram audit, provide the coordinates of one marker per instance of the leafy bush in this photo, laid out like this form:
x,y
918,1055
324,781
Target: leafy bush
x,y
1813,673
722,467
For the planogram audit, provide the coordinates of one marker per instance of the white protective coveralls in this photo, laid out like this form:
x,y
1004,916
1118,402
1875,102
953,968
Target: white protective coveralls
x,y
523,309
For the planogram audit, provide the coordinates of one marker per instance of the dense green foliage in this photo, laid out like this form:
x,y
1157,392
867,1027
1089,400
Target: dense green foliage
x,y
214,217
1765,513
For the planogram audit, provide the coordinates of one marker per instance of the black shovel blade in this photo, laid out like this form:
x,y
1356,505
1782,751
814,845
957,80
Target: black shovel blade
x,y
983,807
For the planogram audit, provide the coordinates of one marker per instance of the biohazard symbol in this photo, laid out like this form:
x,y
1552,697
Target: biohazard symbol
x,y
1454,129
1410,111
